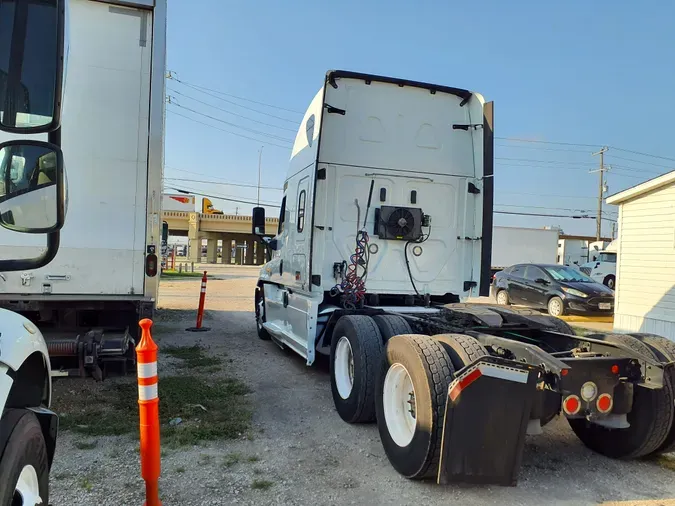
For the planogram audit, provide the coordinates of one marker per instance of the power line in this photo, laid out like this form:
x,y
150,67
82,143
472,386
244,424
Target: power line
x,y
543,161
228,131
232,113
545,207
227,180
538,148
220,197
549,195
515,139
643,154
670,167
223,184
547,215
257,132
173,78
238,105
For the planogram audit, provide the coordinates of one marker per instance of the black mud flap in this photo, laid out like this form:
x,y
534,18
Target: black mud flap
x,y
486,418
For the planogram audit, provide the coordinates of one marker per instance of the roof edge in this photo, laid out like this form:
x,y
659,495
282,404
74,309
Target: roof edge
x,y
331,75
642,188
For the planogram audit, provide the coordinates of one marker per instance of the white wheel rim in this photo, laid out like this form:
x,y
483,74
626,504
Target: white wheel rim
x,y
399,405
554,307
344,368
501,297
28,487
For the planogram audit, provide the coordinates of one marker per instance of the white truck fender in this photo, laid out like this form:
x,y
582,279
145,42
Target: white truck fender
x,y
19,339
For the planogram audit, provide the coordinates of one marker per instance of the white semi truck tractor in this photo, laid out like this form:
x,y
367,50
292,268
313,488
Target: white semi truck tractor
x,y
32,202
385,229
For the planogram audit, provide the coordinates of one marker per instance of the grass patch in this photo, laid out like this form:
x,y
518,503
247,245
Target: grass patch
x,y
170,273
261,484
253,458
87,485
85,445
180,469
192,356
112,409
666,462
231,459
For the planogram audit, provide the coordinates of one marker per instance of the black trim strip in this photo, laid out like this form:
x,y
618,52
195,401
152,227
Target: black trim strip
x,y
332,75
488,199
314,180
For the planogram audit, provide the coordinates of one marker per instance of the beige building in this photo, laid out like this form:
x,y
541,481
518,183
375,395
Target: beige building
x,y
645,291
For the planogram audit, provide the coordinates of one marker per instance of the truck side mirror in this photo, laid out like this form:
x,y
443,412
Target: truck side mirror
x,y
32,189
31,65
258,220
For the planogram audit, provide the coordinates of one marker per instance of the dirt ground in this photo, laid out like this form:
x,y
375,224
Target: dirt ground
x,y
299,452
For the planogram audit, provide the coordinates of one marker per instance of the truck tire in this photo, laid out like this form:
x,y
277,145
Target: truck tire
x,y
24,463
650,418
416,368
260,314
609,281
462,349
391,325
355,356
665,349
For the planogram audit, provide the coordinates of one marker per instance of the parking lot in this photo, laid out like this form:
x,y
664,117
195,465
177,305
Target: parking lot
x,y
294,449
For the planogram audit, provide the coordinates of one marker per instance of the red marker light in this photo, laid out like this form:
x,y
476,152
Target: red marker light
x,y
564,372
604,403
572,405
615,369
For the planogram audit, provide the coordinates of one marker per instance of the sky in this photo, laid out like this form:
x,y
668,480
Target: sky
x,y
566,77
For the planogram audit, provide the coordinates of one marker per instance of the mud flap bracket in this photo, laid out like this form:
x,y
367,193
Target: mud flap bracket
x,y
486,416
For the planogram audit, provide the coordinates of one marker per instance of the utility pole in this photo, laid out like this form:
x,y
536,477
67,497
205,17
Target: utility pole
x,y
601,189
259,164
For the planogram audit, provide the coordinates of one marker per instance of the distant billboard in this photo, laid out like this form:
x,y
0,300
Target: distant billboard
x,y
178,202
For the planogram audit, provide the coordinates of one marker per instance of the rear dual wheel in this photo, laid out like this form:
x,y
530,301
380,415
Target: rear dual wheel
x,y
412,391
650,419
356,353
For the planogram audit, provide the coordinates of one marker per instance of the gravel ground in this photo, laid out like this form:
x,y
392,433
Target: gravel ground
x,y
302,453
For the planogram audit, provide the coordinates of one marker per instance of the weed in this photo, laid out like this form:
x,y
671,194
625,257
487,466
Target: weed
x,y
666,462
253,458
205,459
85,445
257,471
180,469
192,356
112,409
85,484
231,459
261,484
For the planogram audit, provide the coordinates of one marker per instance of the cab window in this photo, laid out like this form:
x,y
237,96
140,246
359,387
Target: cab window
x,y
282,216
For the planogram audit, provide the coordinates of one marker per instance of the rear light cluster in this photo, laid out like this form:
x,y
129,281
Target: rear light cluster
x,y
589,393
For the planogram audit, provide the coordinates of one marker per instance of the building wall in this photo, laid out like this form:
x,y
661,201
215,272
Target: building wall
x,y
645,292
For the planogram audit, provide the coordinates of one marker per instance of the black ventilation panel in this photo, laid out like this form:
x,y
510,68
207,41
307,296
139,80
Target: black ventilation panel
x,y
398,223
413,197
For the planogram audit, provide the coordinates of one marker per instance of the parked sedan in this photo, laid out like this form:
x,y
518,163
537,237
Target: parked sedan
x,y
558,288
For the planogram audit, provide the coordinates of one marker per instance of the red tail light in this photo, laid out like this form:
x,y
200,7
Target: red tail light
x,y
604,403
572,405
151,265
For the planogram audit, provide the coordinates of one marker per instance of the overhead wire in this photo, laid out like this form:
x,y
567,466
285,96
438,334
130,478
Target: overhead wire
x,y
232,113
220,197
174,78
223,184
238,105
266,142
251,130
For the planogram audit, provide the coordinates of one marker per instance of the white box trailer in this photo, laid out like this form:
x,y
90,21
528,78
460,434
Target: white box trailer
x,y
104,277
516,245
